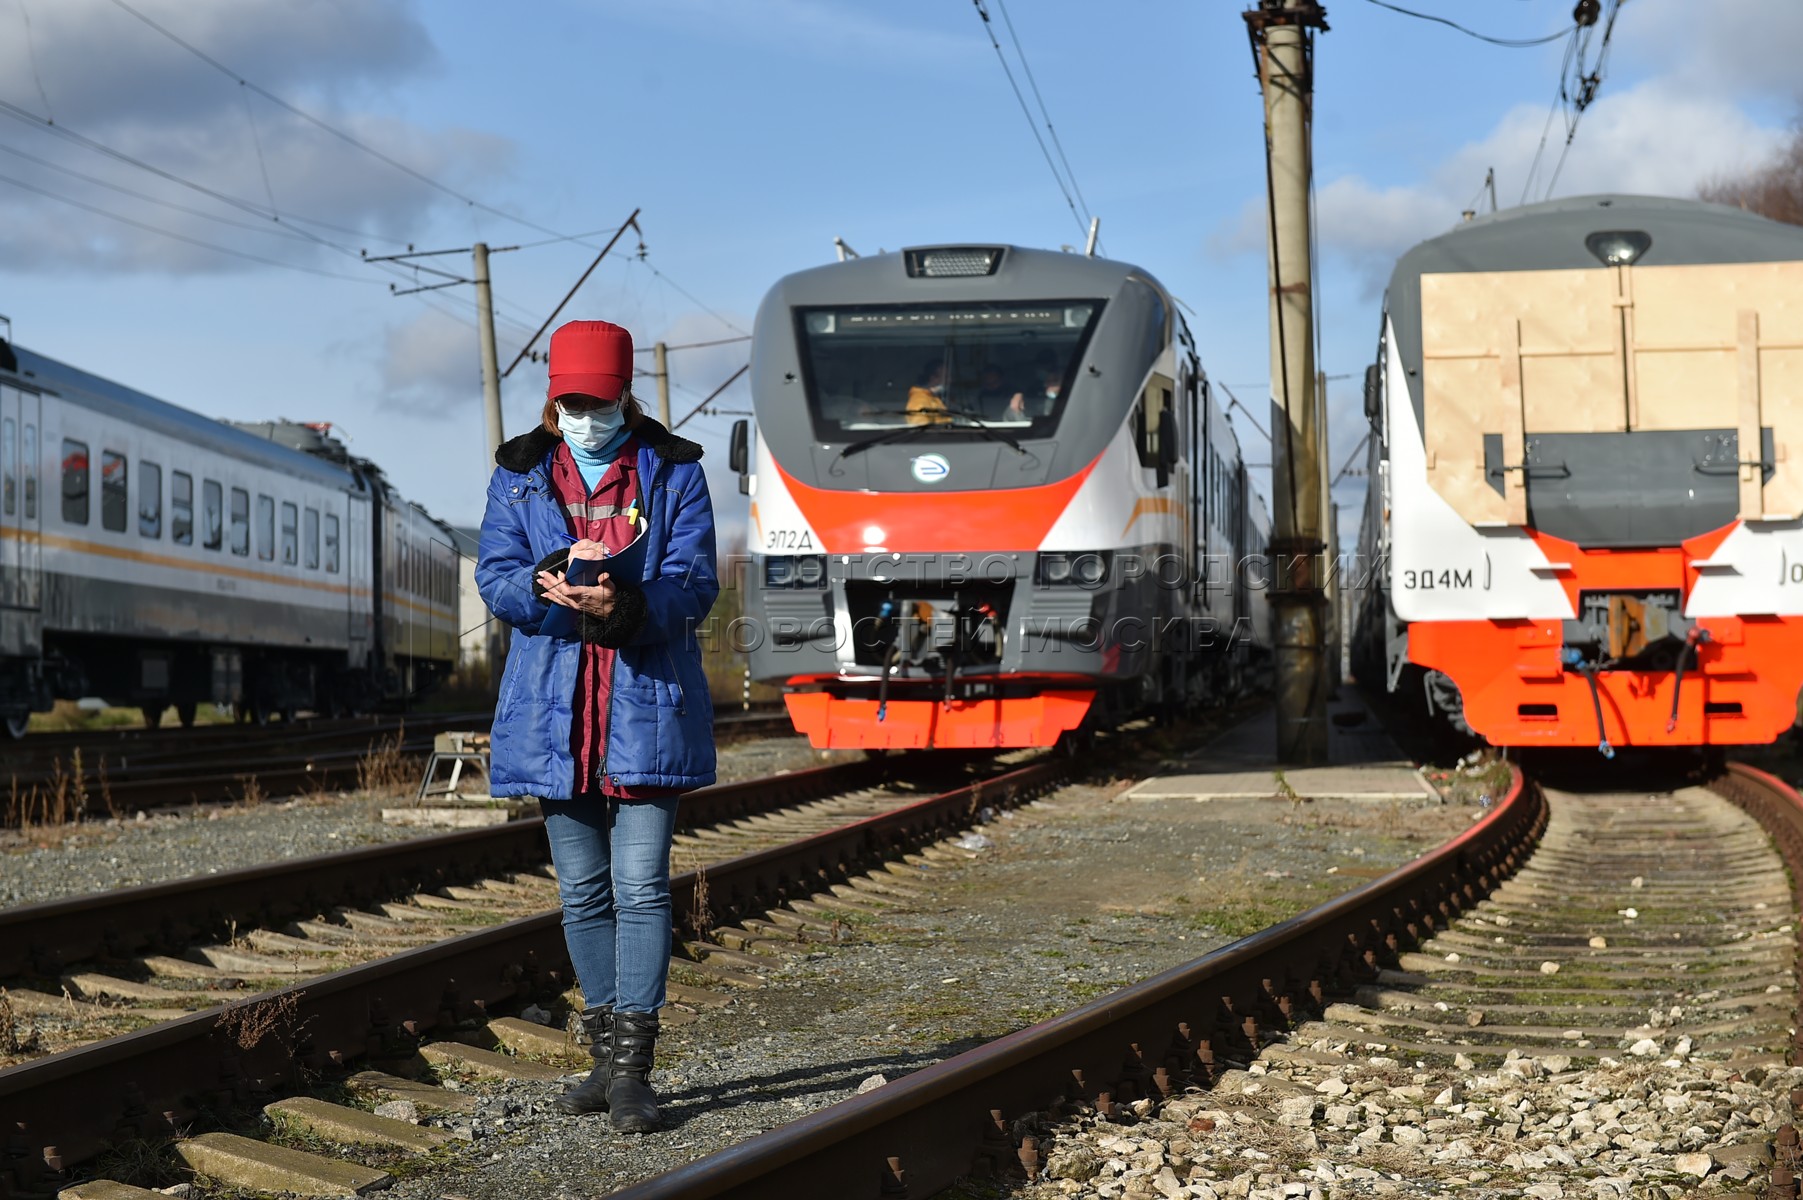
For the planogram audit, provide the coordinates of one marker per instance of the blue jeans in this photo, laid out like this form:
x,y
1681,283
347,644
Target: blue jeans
x,y
613,875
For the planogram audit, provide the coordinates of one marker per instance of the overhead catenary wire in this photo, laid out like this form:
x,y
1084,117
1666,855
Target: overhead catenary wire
x,y
1027,69
1585,90
181,237
988,28
266,229
1511,43
340,134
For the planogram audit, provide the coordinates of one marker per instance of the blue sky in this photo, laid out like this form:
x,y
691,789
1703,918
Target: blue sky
x,y
751,133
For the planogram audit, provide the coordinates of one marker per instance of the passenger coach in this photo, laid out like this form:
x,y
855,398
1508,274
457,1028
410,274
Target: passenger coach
x,y
153,557
992,502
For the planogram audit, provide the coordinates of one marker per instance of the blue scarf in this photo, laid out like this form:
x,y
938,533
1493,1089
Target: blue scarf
x,y
594,463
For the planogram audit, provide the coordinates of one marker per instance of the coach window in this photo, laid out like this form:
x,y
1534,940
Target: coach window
x,y
310,538
240,522
181,508
1148,418
113,501
332,543
150,500
75,482
29,454
212,514
9,471
290,534
266,528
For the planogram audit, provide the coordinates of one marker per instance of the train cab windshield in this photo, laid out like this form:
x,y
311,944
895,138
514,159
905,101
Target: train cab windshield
x,y
944,368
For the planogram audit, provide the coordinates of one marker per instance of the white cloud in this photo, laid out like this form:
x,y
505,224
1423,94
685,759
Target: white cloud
x,y
1658,138
430,364
1738,49
108,77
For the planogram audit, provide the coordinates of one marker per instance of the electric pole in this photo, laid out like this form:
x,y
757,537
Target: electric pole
x,y
1283,47
491,371
660,360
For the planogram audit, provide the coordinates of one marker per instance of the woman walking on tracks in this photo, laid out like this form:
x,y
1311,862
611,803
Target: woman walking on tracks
x,y
604,713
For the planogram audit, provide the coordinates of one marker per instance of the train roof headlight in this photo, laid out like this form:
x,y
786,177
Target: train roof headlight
x,y
1618,247
948,261
822,322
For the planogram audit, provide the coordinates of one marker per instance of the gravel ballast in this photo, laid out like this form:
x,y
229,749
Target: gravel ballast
x,y
1071,897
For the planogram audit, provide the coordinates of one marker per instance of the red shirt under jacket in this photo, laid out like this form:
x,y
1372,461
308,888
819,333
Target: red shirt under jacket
x,y
599,516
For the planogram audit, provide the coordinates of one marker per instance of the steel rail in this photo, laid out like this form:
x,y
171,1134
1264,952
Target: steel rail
x,y
167,776
66,1107
49,936
919,1134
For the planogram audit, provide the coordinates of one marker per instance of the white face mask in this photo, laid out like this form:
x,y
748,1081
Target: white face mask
x,y
591,430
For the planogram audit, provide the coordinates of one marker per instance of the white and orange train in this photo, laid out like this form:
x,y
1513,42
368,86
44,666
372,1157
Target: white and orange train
x,y
153,557
993,503
1588,476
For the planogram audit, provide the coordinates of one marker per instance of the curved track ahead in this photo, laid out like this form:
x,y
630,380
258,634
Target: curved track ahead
x,y
1186,1028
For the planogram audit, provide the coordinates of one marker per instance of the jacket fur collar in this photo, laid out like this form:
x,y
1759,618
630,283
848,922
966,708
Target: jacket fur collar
x,y
526,451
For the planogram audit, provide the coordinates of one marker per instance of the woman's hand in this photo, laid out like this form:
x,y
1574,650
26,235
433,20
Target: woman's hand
x,y
596,601
588,549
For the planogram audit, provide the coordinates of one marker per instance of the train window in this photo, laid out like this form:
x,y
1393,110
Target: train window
x,y
290,534
150,500
266,528
9,470
332,543
310,538
212,514
881,367
240,522
29,454
181,508
1148,418
113,501
75,482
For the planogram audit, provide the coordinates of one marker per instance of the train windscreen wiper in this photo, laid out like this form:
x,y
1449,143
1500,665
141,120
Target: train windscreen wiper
x,y
941,421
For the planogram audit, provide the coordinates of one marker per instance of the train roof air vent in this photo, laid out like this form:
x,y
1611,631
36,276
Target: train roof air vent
x,y
939,262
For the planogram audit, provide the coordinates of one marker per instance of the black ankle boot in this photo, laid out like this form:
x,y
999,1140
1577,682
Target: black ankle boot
x,y
629,1095
590,1095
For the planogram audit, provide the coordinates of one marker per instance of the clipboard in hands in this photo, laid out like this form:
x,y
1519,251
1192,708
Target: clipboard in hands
x,y
627,565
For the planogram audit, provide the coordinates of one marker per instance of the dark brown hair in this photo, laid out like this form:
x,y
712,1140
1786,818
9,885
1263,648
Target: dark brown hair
x,y
628,402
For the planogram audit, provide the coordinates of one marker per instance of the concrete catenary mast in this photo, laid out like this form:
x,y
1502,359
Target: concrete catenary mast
x,y
1283,45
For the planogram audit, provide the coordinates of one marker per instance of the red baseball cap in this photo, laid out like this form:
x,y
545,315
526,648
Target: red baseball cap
x,y
590,358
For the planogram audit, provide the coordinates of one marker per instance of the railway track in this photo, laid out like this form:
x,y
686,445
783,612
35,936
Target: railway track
x,y
828,826
68,776
1451,1025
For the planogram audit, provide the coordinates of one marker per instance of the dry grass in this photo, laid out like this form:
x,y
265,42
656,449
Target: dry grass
x,y
385,769
249,1023
701,920
14,1038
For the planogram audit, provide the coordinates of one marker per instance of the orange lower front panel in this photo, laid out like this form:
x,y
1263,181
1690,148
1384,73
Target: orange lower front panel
x,y
1741,687
834,723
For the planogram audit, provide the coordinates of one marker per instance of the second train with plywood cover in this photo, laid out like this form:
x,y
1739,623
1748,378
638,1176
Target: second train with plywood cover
x,y
1587,475
992,502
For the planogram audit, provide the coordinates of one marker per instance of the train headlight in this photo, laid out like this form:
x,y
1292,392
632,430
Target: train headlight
x,y
805,571
1618,247
1084,568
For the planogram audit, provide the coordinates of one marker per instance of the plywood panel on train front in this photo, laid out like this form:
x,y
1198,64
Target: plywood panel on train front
x,y
1571,375
1455,434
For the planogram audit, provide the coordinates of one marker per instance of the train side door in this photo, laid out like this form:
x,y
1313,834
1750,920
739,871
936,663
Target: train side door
x,y
21,502
357,555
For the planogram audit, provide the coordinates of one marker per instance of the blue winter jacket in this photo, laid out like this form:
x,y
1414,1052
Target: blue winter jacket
x,y
660,717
